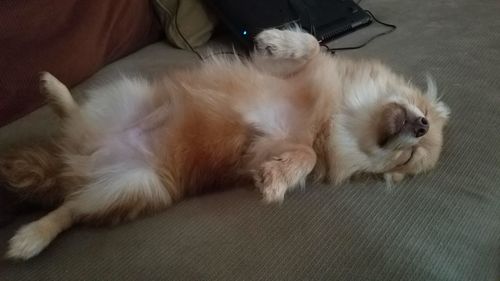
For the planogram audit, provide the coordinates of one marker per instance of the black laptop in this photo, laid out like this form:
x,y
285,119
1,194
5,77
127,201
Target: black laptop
x,y
325,19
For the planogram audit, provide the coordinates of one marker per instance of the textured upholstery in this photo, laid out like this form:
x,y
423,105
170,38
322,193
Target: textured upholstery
x,y
444,225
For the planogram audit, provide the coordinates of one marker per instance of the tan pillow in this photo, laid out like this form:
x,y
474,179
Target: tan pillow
x,y
185,20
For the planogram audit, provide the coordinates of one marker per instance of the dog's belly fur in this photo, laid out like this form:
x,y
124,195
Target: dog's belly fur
x,y
206,138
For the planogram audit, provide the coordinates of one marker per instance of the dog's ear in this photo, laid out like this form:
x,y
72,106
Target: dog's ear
x,y
431,88
440,107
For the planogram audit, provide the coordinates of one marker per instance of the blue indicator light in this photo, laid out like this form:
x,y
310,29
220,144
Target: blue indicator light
x,y
245,32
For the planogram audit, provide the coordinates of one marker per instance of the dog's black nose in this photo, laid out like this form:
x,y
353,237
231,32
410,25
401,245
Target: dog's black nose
x,y
421,127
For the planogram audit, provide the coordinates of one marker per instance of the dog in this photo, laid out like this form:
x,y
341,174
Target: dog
x,y
286,115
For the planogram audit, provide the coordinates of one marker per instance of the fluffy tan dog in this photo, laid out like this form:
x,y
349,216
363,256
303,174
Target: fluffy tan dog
x,y
287,115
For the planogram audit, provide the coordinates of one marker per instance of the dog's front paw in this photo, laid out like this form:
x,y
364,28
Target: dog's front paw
x,y
273,194
268,181
288,44
393,178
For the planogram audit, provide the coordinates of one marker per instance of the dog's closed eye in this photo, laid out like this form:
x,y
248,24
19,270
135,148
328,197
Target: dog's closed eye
x,y
392,121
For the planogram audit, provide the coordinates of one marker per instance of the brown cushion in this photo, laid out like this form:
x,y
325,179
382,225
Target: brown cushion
x,y
70,38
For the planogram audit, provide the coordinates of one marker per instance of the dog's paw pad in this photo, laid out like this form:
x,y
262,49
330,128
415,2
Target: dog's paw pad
x,y
268,180
45,79
286,43
49,85
273,195
267,40
393,178
27,243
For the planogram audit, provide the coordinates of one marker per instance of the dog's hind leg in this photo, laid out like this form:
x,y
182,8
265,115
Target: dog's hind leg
x,y
58,95
35,172
284,52
32,238
115,193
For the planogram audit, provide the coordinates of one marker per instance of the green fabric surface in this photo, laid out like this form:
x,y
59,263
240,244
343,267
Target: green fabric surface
x,y
444,225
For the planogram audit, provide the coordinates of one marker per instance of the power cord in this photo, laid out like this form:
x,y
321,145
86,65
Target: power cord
x,y
184,38
192,49
329,49
392,28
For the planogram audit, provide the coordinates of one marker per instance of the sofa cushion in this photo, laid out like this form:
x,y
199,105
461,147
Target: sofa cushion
x,y
70,38
187,23
442,226
150,61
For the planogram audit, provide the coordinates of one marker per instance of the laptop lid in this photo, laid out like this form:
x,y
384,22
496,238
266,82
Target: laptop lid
x,y
325,19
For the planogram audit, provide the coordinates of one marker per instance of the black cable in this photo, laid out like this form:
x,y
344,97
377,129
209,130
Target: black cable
x,y
332,50
392,26
193,49
184,38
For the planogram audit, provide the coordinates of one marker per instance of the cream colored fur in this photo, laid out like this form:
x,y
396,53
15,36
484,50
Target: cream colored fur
x,y
287,115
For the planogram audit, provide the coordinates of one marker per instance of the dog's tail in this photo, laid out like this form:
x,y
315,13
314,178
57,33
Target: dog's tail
x,y
33,174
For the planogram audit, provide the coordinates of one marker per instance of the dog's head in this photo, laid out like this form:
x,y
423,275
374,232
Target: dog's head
x,y
410,130
398,129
